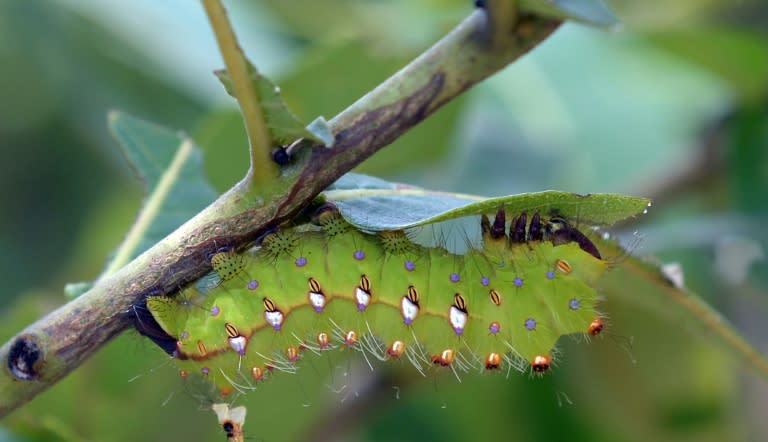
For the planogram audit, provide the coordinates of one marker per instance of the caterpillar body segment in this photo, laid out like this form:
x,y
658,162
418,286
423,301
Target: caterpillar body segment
x,y
503,305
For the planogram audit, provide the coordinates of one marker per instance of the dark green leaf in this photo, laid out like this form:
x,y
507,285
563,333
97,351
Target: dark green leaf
x,y
171,167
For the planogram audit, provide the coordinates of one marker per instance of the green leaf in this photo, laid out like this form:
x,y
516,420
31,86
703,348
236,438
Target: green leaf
x,y
645,285
284,126
373,204
589,12
171,167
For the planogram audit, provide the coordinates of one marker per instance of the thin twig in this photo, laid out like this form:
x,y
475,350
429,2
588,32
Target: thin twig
x,y
262,169
502,14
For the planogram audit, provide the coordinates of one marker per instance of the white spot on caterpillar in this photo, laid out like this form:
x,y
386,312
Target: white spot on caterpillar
x,y
674,274
274,318
458,319
236,340
238,344
317,300
363,298
409,310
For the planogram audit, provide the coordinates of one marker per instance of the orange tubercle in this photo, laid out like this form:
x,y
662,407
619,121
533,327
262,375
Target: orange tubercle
x,y
541,364
257,373
445,358
396,349
595,327
323,340
350,338
493,361
292,353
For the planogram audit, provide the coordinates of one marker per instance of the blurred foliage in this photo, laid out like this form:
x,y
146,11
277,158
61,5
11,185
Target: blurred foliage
x,y
673,107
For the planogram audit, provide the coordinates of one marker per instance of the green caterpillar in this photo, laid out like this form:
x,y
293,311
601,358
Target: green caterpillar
x,y
328,285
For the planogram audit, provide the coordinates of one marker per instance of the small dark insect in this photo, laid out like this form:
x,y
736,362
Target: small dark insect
x,y
281,156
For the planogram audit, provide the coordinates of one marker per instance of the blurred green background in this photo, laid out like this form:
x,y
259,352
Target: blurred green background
x,y
673,106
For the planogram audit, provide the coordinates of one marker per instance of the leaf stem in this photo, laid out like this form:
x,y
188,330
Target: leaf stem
x,y
502,14
263,169
151,208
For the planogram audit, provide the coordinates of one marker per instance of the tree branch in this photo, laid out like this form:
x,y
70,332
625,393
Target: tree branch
x,y
49,349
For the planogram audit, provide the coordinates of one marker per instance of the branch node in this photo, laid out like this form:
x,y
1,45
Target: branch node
x,y
25,358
